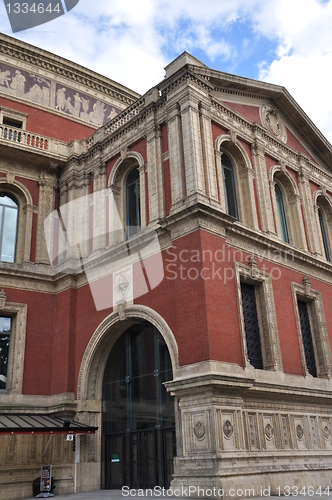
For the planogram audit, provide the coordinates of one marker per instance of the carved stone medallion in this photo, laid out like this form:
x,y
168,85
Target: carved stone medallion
x,y
199,430
299,432
123,285
272,121
326,432
228,429
268,432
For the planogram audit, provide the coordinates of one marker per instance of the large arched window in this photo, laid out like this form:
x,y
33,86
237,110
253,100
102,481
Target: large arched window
x,y
8,227
324,235
229,186
281,214
133,210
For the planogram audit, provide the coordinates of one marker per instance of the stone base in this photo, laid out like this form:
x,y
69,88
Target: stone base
x,y
251,477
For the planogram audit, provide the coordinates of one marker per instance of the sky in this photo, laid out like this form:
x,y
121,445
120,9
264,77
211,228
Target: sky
x,y
285,42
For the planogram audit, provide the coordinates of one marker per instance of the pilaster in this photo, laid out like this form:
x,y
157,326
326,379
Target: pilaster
x,y
262,186
308,209
45,207
211,186
99,205
142,185
192,145
176,158
154,171
28,233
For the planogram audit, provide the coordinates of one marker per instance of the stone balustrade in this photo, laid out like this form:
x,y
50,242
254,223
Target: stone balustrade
x,y
36,142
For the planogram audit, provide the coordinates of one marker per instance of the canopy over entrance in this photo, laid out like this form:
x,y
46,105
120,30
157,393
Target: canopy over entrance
x,y
41,424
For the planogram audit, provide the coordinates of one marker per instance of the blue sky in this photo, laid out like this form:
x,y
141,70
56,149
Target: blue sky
x,y
286,42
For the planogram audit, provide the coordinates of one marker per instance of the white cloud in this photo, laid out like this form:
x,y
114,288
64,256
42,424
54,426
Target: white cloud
x,y
304,63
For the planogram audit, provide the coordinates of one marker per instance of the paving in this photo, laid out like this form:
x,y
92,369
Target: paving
x,y
90,495
118,495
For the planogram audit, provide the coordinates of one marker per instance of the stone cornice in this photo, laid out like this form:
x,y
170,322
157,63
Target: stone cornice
x,y
247,130
305,128
56,65
46,279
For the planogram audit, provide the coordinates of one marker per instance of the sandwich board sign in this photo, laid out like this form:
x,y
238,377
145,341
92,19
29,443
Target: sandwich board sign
x,y
45,482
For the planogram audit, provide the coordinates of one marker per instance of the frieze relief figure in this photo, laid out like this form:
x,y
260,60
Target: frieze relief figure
x,y
112,114
61,99
85,105
39,95
37,89
18,83
4,77
98,114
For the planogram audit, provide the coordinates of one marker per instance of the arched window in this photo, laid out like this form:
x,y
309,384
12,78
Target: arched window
x,y
133,210
229,186
324,235
8,227
282,214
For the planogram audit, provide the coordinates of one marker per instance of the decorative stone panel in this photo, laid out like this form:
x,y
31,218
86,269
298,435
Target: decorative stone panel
x,y
229,429
273,122
196,428
301,439
269,429
252,432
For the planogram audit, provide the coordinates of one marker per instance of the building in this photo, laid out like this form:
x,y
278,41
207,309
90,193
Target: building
x,y
165,279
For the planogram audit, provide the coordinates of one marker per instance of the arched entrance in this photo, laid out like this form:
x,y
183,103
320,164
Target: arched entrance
x,y
138,425
93,372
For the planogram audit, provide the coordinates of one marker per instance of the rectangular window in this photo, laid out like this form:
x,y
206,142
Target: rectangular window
x,y
5,330
257,317
251,326
12,123
308,345
312,332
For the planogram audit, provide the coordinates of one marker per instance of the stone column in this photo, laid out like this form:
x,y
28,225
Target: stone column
x,y
218,156
262,187
211,186
45,207
308,209
27,233
99,206
154,170
62,245
295,203
192,146
142,188
176,160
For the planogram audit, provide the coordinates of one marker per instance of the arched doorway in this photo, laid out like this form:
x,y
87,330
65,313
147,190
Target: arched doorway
x,y
138,423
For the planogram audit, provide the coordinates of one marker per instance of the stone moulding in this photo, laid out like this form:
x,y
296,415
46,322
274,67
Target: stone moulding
x,y
18,313
20,52
99,347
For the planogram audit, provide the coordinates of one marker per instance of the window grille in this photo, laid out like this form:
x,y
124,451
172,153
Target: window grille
x,y
251,326
308,345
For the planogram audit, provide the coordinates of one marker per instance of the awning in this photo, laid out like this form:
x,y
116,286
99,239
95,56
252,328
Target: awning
x,y
41,424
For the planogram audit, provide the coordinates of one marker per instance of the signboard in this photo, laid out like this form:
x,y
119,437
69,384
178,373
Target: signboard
x,y
46,478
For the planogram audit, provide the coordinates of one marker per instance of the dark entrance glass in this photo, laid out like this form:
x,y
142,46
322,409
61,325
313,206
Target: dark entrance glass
x,y
138,425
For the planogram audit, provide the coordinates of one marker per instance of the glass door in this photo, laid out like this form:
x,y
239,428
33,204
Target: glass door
x,y
138,413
